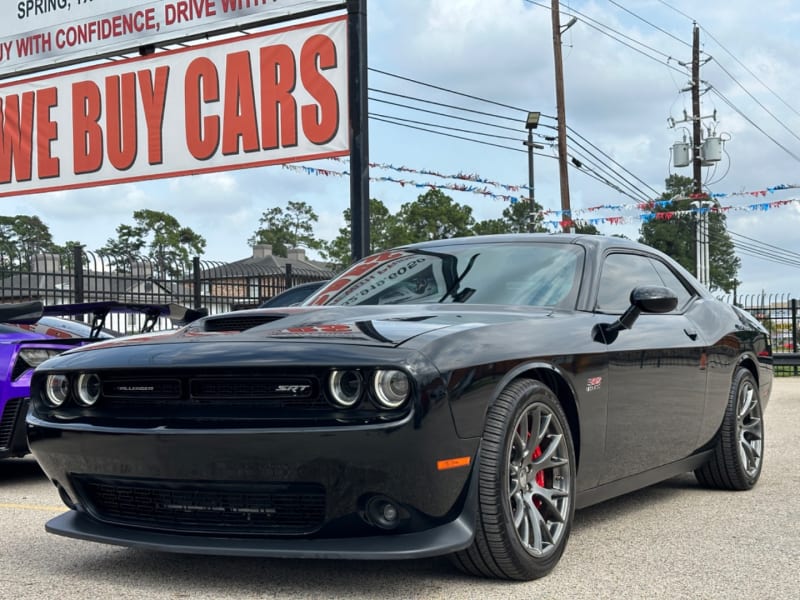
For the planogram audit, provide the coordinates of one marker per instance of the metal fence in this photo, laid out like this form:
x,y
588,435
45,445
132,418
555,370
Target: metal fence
x,y
778,313
83,276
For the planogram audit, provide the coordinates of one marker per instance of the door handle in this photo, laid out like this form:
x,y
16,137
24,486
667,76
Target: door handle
x,y
692,333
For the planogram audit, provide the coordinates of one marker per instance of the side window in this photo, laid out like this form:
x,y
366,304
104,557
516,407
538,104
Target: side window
x,y
621,273
672,282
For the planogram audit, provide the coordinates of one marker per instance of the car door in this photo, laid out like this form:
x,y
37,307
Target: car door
x,y
656,371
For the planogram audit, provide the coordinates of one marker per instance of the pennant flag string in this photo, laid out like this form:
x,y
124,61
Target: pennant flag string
x,y
647,210
474,177
457,187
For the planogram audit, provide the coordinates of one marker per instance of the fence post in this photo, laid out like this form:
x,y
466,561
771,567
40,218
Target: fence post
x,y
288,282
196,280
77,262
794,329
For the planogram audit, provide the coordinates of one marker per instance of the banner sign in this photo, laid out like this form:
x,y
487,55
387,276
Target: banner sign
x,y
46,33
261,99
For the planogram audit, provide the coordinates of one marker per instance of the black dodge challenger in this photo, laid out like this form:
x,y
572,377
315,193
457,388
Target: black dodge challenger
x,y
457,397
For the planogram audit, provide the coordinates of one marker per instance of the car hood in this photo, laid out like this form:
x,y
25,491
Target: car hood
x,y
379,325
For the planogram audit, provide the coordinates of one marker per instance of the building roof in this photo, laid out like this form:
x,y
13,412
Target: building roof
x,y
264,262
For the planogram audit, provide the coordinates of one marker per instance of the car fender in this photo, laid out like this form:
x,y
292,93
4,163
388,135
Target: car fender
x,y
472,401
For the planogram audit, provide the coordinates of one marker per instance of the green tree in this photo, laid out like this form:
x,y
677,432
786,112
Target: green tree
x,y
490,227
586,228
516,219
292,227
433,216
676,235
25,236
21,238
384,232
161,237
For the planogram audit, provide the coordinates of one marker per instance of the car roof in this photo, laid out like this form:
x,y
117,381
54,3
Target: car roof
x,y
598,242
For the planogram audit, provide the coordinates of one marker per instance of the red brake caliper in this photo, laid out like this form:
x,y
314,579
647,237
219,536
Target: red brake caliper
x,y
539,476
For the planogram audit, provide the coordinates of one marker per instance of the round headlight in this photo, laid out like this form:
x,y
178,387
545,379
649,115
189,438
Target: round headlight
x,y
88,389
346,387
392,388
57,389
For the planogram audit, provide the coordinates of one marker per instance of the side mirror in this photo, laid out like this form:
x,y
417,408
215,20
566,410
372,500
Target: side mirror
x,y
648,299
654,299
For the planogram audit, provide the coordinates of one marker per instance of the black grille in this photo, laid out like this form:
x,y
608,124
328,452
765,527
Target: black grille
x,y
239,323
251,388
9,422
227,508
150,389
219,394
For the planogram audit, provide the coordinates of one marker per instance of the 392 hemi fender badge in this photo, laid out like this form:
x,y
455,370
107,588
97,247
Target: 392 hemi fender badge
x,y
593,383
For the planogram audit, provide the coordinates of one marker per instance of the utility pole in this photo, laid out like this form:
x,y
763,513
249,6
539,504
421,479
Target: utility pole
x,y
697,129
560,113
698,153
702,249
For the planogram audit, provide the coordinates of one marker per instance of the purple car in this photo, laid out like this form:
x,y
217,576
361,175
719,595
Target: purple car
x,y
30,333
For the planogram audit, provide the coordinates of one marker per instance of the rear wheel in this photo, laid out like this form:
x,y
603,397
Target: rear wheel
x,y
739,450
526,486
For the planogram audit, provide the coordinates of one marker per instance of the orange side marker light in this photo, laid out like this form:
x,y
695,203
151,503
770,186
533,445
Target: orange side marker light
x,y
452,463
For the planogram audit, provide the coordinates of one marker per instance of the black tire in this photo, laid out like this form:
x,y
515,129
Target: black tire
x,y
739,447
527,471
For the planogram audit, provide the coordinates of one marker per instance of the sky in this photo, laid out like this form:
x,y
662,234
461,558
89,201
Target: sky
x,y
623,82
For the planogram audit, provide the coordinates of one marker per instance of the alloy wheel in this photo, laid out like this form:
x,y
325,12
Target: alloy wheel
x,y
749,430
539,480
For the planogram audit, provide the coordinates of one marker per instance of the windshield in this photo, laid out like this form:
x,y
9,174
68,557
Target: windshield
x,y
529,274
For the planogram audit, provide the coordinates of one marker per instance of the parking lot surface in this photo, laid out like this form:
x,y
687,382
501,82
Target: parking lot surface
x,y
672,540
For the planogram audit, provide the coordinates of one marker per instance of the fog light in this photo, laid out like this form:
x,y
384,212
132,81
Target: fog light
x,y
65,497
389,512
382,512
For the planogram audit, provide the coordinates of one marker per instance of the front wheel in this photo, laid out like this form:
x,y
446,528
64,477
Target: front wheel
x,y
739,449
526,486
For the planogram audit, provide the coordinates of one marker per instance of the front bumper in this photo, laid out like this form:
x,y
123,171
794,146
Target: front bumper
x,y
13,437
443,539
351,465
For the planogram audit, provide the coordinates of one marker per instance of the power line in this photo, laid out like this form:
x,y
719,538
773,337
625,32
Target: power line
x,y
778,249
441,114
449,91
683,14
608,157
758,102
638,195
722,97
401,120
757,249
656,27
729,74
455,137
605,29
611,172
601,27
746,68
445,105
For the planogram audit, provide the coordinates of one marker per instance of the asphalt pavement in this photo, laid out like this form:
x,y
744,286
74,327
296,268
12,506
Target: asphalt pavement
x,y
672,540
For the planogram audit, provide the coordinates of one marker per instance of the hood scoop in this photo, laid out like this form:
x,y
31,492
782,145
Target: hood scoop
x,y
234,322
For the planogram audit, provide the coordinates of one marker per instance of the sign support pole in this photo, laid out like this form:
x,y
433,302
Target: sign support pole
x,y
359,129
